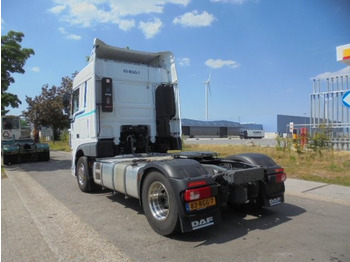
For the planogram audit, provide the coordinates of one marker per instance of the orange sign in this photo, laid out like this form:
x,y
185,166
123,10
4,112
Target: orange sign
x,y
346,53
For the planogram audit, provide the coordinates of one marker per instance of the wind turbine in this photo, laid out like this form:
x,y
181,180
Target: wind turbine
x,y
207,91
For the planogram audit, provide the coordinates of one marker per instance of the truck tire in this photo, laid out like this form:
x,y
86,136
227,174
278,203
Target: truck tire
x,y
159,204
44,156
82,174
6,159
255,204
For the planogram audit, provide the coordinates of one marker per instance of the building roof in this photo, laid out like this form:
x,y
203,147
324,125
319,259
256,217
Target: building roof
x,y
221,123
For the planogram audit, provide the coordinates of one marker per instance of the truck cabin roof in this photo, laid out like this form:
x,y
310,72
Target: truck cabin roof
x,y
104,51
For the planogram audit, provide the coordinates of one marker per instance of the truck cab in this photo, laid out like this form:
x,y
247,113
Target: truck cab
x,y
125,102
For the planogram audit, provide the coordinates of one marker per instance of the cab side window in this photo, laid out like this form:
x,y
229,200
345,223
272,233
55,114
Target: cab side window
x,y
75,101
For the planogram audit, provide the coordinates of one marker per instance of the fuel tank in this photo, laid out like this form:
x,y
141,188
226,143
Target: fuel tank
x,y
122,174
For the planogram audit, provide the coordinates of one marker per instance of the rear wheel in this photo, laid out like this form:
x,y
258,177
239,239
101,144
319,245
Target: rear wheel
x,y
159,204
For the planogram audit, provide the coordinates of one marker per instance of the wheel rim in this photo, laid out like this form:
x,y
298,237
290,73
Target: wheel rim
x,y
81,174
158,201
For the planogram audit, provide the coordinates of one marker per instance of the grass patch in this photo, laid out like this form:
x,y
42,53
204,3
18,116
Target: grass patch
x,y
329,167
59,146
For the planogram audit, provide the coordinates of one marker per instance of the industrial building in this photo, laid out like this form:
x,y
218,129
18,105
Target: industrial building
x,y
213,129
285,123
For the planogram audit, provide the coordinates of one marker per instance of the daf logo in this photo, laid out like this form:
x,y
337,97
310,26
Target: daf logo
x,y
275,201
197,224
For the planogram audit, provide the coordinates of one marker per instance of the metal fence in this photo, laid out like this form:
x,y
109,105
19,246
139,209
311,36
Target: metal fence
x,y
337,139
328,112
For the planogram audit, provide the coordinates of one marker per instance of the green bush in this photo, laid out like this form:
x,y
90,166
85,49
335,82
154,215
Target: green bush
x,y
284,144
320,140
64,135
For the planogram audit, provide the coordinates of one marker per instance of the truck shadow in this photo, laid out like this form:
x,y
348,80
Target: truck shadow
x,y
127,202
236,224
41,166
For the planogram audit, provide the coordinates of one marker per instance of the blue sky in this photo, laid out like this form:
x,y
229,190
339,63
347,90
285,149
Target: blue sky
x,y
262,54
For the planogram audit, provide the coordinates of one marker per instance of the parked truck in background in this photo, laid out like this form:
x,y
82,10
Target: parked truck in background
x,y
125,118
250,133
17,145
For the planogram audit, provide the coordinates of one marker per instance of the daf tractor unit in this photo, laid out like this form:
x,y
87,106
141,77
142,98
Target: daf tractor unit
x,y
125,117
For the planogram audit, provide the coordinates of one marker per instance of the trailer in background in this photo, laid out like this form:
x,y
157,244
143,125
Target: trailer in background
x,y
17,145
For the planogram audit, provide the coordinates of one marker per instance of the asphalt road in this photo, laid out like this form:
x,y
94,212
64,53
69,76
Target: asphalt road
x,y
65,224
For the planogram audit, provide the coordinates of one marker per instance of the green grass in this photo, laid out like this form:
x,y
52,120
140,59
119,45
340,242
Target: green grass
x,y
330,166
59,146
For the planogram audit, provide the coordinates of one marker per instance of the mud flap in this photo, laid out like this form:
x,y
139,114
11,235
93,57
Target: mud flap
x,y
196,222
274,201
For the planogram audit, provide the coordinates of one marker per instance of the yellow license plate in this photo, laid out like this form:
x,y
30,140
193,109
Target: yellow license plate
x,y
200,204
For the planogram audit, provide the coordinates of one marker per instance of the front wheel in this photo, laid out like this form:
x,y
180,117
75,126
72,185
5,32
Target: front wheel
x,y
159,204
82,174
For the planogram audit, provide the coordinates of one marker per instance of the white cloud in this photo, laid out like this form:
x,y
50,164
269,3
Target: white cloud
x,y
35,69
342,72
150,29
219,63
195,19
84,14
57,9
239,2
88,13
69,36
62,30
137,7
3,24
179,2
185,61
73,37
126,25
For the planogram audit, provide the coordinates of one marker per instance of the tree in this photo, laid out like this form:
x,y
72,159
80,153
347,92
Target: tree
x,y
13,59
48,109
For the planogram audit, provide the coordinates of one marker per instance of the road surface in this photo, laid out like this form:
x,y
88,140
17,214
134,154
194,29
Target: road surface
x,y
45,217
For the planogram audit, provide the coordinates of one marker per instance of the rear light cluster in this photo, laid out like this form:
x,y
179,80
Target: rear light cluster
x,y
279,176
197,193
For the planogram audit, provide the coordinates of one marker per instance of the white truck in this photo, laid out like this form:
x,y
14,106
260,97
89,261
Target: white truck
x,y
125,117
251,133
